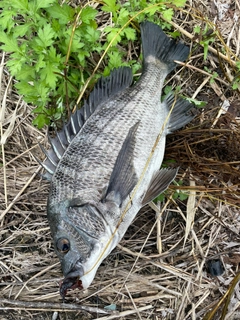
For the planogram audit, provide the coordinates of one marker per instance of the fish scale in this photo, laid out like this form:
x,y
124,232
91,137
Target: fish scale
x,y
83,153
104,164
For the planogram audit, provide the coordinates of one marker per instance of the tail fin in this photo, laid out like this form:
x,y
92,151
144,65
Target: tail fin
x,y
157,44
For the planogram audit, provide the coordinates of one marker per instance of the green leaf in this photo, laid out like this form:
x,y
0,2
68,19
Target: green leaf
x,y
160,198
77,41
17,61
40,4
20,5
130,33
14,66
41,120
6,19
27,90
123,16
88,14
110,6
49,75
92,35
175,34
235,85
179,3
197,29
113,35
27,73
56,26
63,13
45,36
23,30
40,63
238,64
183,196
39,109
151,10
53,66
42,93
115,60
205,50
197,103
82,56
167,14
10,42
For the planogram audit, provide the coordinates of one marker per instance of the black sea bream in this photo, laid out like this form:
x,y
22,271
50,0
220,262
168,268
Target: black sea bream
x,y
104,164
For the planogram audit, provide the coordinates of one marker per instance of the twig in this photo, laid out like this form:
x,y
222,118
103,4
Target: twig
x,y
190,36
125,313
46,306
201,71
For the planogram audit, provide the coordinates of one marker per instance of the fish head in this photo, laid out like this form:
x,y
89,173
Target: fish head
x,y
78,234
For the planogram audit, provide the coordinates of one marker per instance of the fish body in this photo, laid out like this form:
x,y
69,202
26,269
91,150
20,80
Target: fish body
x,y
104,165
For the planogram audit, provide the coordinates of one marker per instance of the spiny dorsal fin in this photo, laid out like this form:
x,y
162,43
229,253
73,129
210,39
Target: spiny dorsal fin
x,y
118,80
181,114
159,183
123,178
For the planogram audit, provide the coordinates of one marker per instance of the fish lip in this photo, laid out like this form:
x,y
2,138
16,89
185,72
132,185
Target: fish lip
x,y
74,274
71,281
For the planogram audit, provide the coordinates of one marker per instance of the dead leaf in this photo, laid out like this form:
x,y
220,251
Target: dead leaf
x,y
191,209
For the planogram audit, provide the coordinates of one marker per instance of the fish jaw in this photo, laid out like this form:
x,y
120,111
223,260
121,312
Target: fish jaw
x,y
88,246
71,281
83,273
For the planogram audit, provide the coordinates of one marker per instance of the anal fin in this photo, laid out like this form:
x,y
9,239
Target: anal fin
x,y
159,183
181,114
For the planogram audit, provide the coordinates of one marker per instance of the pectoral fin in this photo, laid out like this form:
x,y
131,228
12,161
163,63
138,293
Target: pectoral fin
x,y
123,178
159,183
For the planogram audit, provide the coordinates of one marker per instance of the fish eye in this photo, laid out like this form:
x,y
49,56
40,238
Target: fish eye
x,y
63,245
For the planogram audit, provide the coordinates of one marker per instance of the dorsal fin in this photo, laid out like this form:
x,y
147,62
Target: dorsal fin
x,y
118,80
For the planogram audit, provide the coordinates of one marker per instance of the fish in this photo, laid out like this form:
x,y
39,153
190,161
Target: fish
x,y
104,165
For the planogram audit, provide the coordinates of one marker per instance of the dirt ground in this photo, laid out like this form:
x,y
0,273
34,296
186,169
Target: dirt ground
x,y
163,267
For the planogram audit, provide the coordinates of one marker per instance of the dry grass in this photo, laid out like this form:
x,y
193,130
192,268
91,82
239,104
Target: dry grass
x,y
158,271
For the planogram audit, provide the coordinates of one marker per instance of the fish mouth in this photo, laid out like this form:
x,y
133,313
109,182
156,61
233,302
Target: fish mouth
x,y
71,281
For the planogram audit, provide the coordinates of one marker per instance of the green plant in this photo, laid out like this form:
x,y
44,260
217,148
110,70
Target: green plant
x,y
37,34
197,103
236,80
206,36
178,194
51,46
214,74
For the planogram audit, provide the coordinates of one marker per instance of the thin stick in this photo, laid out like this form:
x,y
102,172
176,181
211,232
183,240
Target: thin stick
x,y
46,306
135,307
190,36
125,313
188,65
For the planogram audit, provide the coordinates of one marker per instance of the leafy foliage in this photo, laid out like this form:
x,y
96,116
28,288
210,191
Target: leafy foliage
x,y
178,194
51,46
206,36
